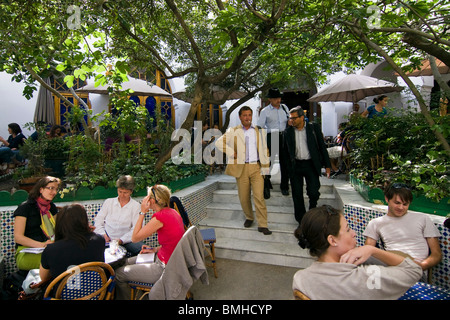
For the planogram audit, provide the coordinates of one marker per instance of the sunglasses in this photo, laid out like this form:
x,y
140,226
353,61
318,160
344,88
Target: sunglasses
x,y
400,186
153,191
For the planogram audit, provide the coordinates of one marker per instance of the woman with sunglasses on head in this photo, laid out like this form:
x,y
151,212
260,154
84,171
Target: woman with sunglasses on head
x,y
34,222
170,228
342,270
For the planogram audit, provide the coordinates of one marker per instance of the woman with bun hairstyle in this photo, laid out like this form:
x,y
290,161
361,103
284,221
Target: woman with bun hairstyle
x,y
378,109
343,271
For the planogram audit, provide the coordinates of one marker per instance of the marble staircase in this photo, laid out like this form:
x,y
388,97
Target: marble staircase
x,y
247,244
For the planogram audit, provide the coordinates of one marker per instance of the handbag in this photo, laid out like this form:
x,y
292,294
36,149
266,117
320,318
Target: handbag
x,y
32,286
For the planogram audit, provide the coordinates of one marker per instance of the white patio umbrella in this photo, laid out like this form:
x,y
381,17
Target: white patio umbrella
x,y
140,88
45,110
354,88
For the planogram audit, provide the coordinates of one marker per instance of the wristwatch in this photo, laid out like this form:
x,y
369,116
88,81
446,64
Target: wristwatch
x,y
142,213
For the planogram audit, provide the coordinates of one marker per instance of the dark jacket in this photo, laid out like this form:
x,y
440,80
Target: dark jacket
x,y
316,146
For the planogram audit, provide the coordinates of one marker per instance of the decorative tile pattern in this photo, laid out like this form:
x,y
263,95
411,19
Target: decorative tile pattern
x,y
359,217
7,244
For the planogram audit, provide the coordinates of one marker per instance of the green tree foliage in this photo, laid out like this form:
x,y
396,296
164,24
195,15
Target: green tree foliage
x,y
235,44
403,149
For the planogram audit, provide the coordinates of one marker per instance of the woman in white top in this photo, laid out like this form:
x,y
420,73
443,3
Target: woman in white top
x,y
118,216
344,271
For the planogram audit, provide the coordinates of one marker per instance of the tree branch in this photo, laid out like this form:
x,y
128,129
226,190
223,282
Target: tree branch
x,y
188,34
146,46
429,47
419,16
231,33
254,12
247,97
414,32
356,31
46,86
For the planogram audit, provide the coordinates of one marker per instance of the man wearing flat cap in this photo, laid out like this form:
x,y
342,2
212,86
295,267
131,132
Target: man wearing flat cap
x,y
307,155
274,118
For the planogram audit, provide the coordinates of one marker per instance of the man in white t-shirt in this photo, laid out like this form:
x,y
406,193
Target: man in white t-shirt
x,y
411,233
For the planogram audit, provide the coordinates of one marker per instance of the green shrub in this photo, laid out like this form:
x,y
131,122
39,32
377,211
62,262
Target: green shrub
x,y
402,149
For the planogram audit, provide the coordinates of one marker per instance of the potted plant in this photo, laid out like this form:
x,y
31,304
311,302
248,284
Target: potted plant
x,y
55,152
44,156
28,175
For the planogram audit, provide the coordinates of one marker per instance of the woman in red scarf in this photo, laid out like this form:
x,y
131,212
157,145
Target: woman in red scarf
x,y
34,222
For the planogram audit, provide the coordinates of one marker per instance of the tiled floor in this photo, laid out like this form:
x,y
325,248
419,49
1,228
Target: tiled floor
x,y
239,280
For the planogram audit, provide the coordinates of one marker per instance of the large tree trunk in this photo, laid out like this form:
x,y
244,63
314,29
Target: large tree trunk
x,y
200,89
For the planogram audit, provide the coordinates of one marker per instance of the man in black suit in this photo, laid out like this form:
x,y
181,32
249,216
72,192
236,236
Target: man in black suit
x,y
307,154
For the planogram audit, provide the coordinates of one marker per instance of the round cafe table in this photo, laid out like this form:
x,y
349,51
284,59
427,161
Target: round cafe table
x,y
115,258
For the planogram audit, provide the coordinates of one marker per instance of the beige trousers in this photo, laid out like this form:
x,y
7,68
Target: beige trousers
x,y
251,181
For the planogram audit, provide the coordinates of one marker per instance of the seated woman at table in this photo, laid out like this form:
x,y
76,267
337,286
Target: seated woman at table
x,y
34,222
75,243
344,271
169,226
117,217
10,151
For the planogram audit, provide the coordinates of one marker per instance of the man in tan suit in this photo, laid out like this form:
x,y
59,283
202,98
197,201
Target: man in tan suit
x,y
248,161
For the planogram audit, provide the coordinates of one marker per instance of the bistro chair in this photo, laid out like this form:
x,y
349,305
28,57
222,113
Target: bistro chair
x,y
298,295
208,235
87,281
145,288
136,287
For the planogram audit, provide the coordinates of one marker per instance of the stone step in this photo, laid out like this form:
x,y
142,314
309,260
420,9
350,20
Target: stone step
x,y
276,198
278,214
267,252
234,241
225,228
231,185
247,244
